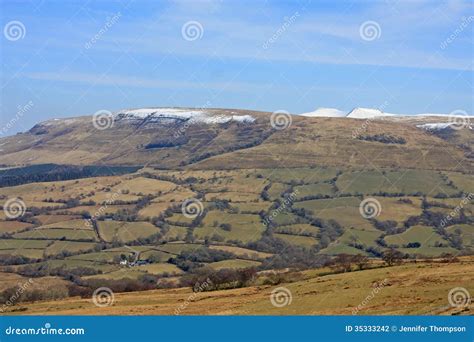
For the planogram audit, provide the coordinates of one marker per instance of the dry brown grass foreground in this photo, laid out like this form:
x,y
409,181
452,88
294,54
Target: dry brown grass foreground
x,y
413,288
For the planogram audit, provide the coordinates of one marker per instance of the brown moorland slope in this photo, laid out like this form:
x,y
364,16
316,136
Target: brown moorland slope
x,y
420,288
306,142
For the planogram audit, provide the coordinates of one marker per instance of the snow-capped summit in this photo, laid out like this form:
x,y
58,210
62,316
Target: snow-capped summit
x,y
356,113
366,113
180,114
374,113
326,112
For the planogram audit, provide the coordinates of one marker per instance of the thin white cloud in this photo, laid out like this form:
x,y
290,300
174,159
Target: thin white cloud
x,y
139,82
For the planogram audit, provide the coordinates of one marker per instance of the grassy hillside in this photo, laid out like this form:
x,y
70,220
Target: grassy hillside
x,y
411,289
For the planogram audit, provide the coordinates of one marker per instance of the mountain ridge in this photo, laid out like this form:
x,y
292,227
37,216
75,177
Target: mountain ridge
x,y
229,138
367,113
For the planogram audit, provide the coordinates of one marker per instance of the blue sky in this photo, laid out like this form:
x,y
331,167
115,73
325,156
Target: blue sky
x,y
267,55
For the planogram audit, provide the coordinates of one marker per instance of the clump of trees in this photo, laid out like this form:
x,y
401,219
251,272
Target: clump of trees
x,y
191,260
170,142
219,280
413,245
7,259
225,226
15,295
383,138
393,257
345,262
53,173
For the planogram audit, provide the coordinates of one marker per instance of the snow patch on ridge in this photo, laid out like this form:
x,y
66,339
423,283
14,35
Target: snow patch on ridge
x,y
53,122
367,113
326,112
173,114
438,126
370,113
435,126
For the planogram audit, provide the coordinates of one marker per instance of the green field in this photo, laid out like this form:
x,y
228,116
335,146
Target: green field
x,y
397,210
244,227
160,269
12,226
307,175
69,246
21,243
426,236
359,236
142,185
285,218
175,233
298,240
298,229
237,197
321,204
243,253
407,182
319,189
32,253
125,231
179,218
176,248
72,224
466,232
234,263
100,257
155,209
252,207
348,217
277,189
58,234
340,248
461,181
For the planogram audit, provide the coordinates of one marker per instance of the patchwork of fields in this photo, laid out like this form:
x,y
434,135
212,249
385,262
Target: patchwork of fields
x,y
161,226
